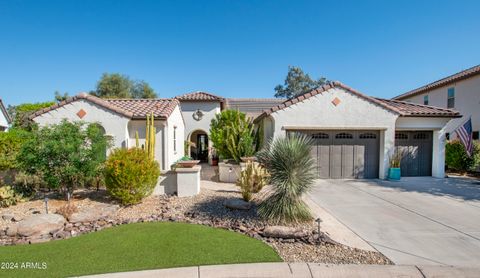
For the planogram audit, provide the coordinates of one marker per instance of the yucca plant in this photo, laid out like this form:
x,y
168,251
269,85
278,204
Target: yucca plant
x,y
292,172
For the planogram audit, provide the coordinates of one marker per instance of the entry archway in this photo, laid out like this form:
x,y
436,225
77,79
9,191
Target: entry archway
x,y
199,149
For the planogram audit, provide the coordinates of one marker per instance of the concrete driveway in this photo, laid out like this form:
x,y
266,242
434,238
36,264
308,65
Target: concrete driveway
x,y
421,221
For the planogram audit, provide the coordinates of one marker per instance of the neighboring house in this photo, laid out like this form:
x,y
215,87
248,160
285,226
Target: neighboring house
x,y
122,118
355,135
5,119
460,91
199,108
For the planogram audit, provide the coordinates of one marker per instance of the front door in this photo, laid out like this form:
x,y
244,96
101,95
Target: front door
x,y
202,147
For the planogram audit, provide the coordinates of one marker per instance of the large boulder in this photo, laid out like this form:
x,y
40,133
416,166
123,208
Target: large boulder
x,y
92,214
283,232
237,204
40,224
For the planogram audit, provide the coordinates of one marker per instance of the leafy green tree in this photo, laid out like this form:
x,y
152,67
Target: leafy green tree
x,y
232,135
61,97
292,173
21,113
297,83
116,85
10,144
66,155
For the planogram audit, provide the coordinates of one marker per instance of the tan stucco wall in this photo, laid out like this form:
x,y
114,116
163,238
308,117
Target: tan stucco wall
x,y
467,101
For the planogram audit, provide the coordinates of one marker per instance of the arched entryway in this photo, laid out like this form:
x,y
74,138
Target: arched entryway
x,y
199,148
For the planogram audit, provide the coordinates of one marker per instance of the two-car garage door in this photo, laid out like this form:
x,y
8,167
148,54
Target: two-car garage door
x,y
345,154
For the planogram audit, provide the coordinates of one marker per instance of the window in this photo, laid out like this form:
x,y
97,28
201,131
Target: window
x,y
344,136
475,135
174,139
368,136
420,136
425,99
451,98
401,136
320,136
447,136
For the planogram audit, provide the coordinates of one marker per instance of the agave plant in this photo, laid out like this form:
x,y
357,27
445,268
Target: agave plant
x,y
292,172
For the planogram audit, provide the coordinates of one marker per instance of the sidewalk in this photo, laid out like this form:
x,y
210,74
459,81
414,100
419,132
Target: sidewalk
x,y
300,270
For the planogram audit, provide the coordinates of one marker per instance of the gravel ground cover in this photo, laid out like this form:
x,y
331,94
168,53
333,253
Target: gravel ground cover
x,y
207,208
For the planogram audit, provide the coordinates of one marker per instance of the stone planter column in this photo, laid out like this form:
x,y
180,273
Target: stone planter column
x,y
188,181
229,172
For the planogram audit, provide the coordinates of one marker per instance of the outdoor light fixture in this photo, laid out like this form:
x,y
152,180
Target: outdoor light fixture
x,y
46,204
318,220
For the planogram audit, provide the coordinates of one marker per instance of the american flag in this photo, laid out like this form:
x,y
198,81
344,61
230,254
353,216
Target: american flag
x,y
464,133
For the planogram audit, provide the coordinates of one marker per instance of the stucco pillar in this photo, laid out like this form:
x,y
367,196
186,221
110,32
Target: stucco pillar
x,y
188,181
387,148
438,154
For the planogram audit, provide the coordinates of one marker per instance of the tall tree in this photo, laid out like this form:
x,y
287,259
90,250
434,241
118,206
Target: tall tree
x,y
116,85
61,97
297,83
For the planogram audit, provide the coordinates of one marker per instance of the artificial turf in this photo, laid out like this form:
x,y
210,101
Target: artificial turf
x,y
134,247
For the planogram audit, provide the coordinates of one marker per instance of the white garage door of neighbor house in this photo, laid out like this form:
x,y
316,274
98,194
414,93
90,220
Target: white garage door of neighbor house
x,y
345,154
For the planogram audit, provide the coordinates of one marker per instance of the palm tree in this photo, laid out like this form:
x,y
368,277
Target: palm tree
x,y
292,172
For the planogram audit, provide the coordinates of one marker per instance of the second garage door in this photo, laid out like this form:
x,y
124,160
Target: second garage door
x,y
346,154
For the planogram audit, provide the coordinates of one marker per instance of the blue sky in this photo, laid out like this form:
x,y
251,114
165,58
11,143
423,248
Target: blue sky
x,y
232,48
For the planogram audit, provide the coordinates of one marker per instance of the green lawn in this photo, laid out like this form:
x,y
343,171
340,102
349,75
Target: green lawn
x,y
136,247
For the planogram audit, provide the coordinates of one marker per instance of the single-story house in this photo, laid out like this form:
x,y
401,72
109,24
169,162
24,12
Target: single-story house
x,y
5,119
355,134
122,118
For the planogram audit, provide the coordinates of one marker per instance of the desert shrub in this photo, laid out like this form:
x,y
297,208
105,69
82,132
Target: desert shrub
x,y
292,172
130,175
232,135
8,196
456,157
252,179
27,185
65,155
67,210
10,144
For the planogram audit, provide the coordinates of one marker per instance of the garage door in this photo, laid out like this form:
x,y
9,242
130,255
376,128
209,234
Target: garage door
x,y
416,147
346,154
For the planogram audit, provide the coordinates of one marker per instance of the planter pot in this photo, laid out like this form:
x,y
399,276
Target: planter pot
x,y
394,174
188,163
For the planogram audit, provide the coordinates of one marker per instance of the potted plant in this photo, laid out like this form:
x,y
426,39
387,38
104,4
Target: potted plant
x,y
186,162
394,172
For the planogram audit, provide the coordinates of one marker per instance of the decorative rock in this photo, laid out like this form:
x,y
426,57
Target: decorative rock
x,y
237,204
41,224
7,216
93,214
17,218
283,232
11,230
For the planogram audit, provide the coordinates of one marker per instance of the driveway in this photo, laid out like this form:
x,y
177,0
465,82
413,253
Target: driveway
x,y
421,221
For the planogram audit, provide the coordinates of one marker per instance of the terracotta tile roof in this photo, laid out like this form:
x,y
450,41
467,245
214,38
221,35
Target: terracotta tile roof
x,y
253,107
405,110
410,109
5,112
130,108
161,108
199,96
442,82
